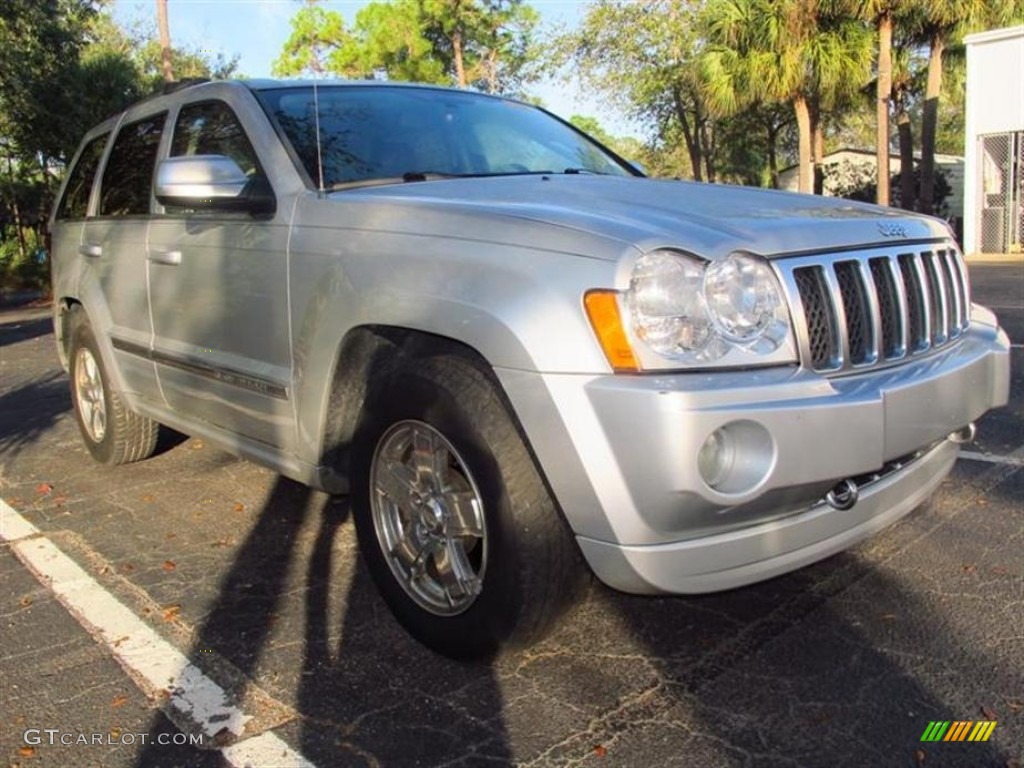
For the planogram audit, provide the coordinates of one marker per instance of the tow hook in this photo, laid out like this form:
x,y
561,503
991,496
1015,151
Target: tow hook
x,y
964,435
843,495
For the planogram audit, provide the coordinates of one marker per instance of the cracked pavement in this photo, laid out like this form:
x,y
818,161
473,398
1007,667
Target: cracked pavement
x,y
257,580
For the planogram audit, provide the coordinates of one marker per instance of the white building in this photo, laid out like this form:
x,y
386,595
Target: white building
x,y
849,164
994,142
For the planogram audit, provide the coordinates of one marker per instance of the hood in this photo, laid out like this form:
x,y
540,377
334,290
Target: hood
x,y
708,219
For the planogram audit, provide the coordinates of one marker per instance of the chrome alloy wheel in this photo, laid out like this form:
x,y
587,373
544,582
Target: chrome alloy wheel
x,y
429,517
89,394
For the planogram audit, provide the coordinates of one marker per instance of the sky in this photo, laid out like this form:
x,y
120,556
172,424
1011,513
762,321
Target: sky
x,y
256,30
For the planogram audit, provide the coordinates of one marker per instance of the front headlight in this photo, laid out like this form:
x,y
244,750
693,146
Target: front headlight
x,y
682,311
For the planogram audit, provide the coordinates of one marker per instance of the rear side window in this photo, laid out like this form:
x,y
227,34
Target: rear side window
x,y
75,203
211,128
128,177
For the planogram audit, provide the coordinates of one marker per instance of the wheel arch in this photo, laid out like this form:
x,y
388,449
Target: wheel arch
x,y
370,351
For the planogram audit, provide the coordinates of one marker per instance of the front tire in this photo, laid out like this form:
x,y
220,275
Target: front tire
x,y
458,530
112,433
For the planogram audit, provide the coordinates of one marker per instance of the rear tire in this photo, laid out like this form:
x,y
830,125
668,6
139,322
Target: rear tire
x,y
458,530
112,433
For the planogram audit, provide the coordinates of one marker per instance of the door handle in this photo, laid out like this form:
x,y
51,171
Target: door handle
x,y
90,250
172,258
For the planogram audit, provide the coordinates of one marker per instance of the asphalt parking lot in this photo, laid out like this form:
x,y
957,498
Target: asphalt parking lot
x,y
254,582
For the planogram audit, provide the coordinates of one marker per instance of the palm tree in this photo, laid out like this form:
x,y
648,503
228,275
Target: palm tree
x,y
881,13
809,53
944,22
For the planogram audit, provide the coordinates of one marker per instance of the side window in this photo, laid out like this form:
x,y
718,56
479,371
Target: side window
x,y
128,177
211,128
75,203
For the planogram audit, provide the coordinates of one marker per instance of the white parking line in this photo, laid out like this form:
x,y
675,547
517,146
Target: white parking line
x,y
1011,461
157,667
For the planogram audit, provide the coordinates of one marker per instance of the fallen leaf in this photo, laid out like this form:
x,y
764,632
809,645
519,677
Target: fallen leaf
x,y
222,737
227,541
171,612
197,444
1015,705
888,617
115,733
171,536
239,507
58,501
969,568
148,498
127,567
989,713
146,611
25,602
44,488
119,701
919,756
169,565
27,751
601,750
104,570
1000,570
117,643
982,502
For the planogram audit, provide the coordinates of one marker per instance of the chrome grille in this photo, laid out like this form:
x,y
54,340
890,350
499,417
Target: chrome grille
x,y
859,310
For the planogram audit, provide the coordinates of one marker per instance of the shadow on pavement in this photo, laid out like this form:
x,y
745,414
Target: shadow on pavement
x,y
30,411
842,664
369,685
12,332
365,688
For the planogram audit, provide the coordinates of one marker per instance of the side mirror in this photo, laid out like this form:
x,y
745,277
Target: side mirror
x,y
211,183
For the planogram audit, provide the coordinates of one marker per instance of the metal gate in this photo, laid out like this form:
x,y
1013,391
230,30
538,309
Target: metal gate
x,y
1002,192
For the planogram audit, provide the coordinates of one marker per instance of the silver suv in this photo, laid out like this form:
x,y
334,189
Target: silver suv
x,y
518,355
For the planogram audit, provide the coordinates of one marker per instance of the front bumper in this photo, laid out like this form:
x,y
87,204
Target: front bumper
x,y
620,454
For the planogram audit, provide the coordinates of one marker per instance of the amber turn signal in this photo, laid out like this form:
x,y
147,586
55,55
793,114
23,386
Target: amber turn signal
x,y
603,311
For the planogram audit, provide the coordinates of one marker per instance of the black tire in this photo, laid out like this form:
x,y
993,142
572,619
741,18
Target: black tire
x,y
117,435
532,569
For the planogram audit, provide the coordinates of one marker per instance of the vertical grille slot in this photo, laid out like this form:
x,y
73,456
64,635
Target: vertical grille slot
x,y
888,307
938,303
859,331
819,316
915,304
955,292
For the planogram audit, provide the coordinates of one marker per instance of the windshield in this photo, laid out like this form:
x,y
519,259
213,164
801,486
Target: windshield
x,y
370,134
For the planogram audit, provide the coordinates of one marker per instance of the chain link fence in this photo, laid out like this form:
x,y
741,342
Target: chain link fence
x,y
1002,196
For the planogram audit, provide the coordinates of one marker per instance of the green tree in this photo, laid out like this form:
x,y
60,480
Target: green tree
x,y
807,53
486,44
316,34
641,56
881,13
944,23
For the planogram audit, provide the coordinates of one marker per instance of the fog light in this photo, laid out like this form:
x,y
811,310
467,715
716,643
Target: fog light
x,y
737,458
715,458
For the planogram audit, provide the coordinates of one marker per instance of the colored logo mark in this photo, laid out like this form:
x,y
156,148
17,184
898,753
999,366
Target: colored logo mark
x,y
958,730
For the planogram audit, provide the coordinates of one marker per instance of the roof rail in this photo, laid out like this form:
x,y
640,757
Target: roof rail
x,y
177,85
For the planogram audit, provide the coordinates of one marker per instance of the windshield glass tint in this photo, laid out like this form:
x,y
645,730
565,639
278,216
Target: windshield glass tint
x,y
370,133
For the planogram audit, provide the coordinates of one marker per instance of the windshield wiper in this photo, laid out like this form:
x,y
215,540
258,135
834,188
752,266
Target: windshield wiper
x,y
433,175
583,172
